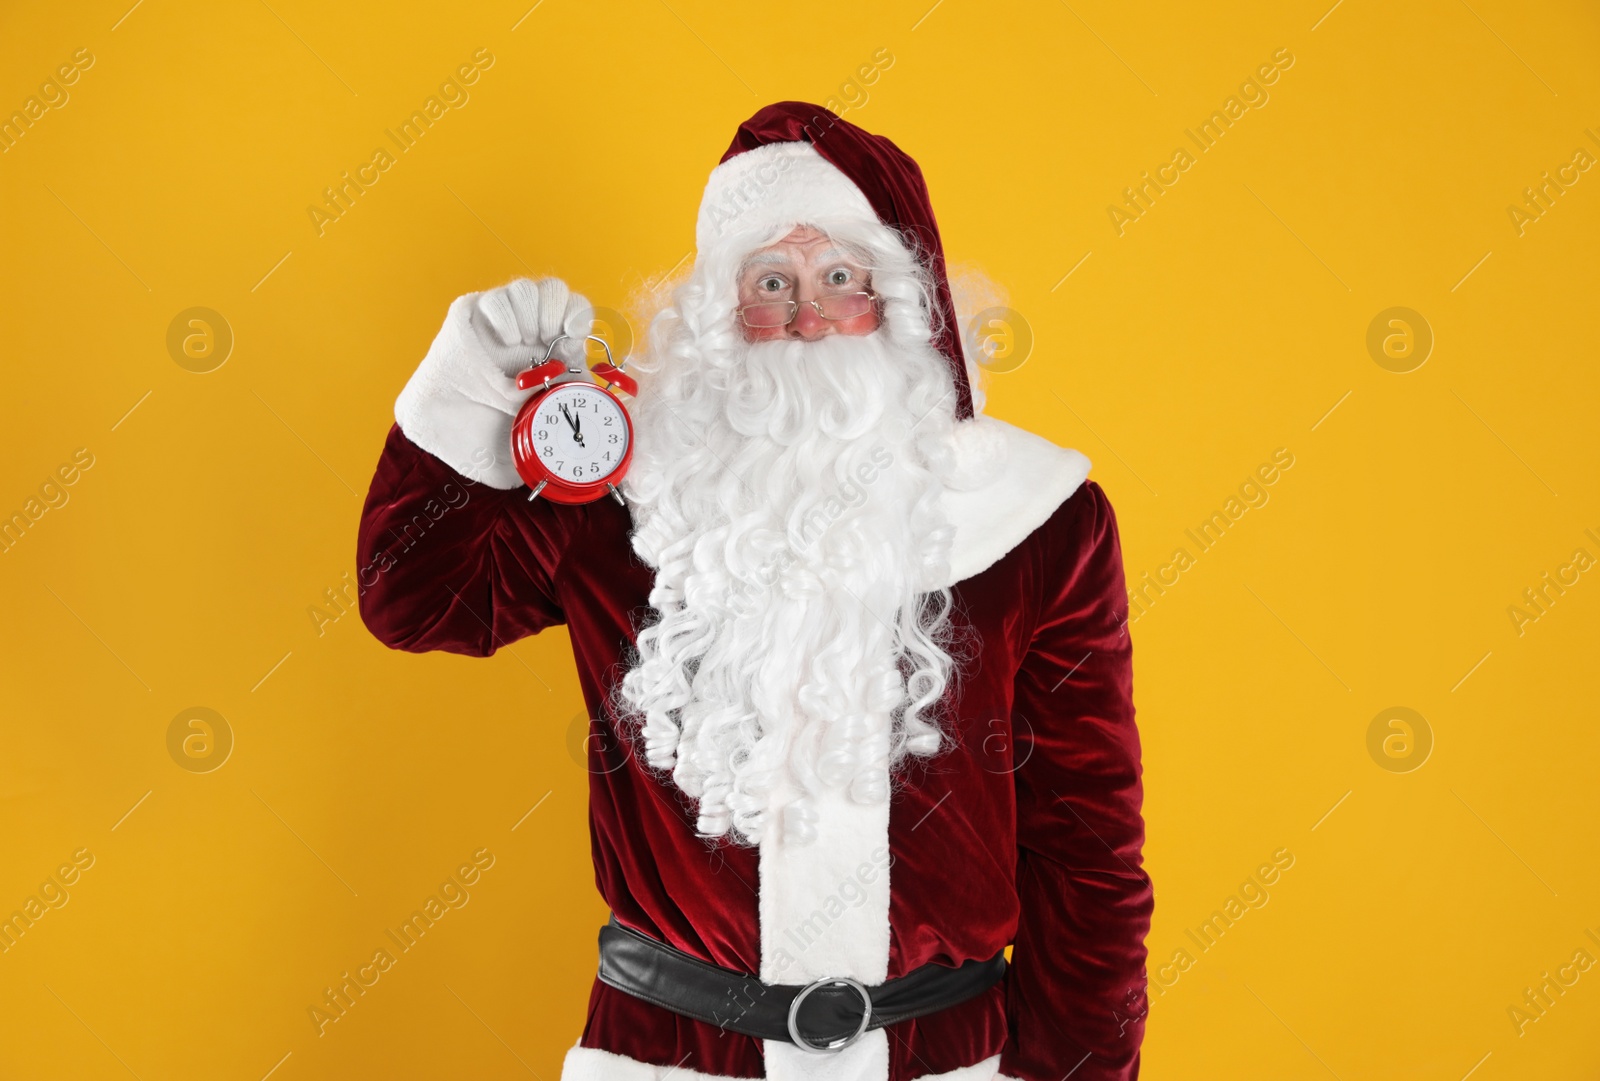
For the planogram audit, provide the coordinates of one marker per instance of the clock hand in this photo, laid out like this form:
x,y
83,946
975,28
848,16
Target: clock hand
x,y
576,431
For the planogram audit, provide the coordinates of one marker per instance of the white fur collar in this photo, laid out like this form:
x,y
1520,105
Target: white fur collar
x,y
1009,482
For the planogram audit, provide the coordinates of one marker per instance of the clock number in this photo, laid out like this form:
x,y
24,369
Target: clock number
x,y
608,422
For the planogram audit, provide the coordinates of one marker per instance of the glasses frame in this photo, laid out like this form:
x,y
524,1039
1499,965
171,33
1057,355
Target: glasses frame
x,y
816,306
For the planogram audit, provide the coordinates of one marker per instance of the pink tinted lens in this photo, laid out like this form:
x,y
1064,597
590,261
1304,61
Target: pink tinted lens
x,y
767,315
846,306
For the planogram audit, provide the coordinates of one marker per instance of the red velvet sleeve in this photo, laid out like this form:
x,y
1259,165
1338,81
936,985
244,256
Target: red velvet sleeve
x,y
445,563
1075,994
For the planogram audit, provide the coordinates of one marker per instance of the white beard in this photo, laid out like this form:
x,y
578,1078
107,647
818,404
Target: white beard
x,y
788,494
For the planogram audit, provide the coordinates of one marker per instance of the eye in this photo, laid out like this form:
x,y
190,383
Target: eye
x,y
839,276
772,284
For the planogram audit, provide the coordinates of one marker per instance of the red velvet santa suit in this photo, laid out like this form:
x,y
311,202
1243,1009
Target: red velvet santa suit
x,y
1026,830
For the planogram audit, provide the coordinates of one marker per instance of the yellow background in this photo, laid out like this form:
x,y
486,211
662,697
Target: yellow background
x,y
1225,323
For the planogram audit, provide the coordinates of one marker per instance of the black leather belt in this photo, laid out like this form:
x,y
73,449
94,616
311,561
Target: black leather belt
x,y
828,1014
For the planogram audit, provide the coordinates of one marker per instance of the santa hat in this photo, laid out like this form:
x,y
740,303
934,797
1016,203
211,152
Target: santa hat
x,y
793,162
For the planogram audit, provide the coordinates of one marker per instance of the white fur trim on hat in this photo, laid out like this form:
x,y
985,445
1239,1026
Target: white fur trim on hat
x,y
759,191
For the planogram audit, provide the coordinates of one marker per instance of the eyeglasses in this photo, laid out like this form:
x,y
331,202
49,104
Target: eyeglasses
x,y
780,313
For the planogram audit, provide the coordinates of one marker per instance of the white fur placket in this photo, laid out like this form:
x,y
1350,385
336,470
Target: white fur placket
x,y
825,912
824,905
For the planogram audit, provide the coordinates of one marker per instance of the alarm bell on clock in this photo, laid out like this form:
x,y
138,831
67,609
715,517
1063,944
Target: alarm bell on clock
x,y
572,441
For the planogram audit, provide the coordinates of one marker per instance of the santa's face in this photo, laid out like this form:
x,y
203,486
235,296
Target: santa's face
x,y
804,266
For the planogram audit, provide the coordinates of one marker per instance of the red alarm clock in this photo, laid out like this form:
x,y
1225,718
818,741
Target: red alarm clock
x,y
572,440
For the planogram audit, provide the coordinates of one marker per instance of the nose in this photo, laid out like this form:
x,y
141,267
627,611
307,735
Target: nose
x,y
808,326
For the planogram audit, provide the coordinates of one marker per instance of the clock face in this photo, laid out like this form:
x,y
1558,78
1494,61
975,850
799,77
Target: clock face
x,y
579,433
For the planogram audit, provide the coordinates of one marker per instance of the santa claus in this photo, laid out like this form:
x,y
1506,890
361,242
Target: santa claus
x,y
856,655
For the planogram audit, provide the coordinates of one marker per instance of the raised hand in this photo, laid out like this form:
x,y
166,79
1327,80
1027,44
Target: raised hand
x,y
517,322
459,403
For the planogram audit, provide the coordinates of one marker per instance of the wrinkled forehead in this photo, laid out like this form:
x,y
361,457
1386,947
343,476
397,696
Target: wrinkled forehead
x,y
805,248
789,255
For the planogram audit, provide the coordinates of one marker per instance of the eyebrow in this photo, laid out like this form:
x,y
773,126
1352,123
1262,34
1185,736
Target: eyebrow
x,y
761,257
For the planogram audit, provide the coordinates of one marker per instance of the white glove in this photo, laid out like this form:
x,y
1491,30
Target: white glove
x,y
460,402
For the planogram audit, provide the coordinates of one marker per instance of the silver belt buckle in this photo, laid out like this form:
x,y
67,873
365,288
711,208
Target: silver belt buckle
x,y
837,1045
